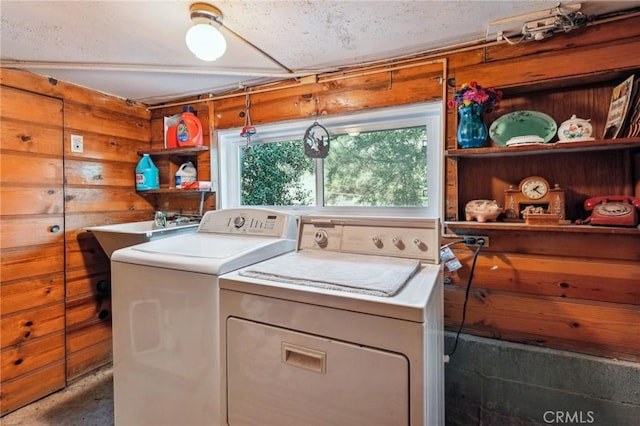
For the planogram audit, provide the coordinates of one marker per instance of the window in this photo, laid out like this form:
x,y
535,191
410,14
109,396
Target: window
x,y
386,161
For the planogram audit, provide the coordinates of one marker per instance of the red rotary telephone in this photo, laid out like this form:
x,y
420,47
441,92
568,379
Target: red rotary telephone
x,y
612,210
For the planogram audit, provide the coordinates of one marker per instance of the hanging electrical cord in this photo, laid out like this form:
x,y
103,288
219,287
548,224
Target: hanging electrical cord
x,y
460,240
513,42
466,296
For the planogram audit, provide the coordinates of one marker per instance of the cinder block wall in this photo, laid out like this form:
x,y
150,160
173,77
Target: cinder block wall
x,y
493,382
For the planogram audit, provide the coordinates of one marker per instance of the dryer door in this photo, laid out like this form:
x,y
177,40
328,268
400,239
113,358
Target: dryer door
x,y
281,377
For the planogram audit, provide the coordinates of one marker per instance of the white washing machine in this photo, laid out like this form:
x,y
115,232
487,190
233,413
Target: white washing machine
x,y
346,330
165,299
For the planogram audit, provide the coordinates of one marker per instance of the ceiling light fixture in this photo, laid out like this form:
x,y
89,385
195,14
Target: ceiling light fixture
x,y
204,38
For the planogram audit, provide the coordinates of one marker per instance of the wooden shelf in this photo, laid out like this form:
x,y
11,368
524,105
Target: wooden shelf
x,y
516,226
175,151
550,148
176,191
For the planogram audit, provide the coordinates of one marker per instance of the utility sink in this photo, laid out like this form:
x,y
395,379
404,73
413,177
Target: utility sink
x,y
120,235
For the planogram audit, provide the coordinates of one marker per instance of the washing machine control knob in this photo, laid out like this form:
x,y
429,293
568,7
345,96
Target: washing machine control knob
x,y
238,221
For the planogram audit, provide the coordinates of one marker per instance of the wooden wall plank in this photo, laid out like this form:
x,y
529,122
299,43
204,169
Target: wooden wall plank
x,y
571,278
573,62
85,253
81,283
47,113
87,311
618,247
28,169
77,222
105,147
99,173
88,359
87,118
420,84
85,337
27,137
27,201
26,326
18,231
584,323
30,293
71,92
17,393
27,262
85,200
23,359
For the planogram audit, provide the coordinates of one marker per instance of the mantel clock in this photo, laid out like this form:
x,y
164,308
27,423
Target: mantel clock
x,y
533,191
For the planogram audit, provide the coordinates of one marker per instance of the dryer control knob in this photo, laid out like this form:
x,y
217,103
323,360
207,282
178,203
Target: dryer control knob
x,y
321,237
421,245
238,221
397,241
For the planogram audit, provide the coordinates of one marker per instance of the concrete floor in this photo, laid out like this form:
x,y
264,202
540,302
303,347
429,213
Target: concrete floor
x,y
86,402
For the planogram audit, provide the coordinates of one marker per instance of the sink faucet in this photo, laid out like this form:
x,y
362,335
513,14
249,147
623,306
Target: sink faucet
x,y
187,218
165,220
182,219
160,220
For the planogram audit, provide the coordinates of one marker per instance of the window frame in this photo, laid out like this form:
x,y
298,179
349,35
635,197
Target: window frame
x,y
428,114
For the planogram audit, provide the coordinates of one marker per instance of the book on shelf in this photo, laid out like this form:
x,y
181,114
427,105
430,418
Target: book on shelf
x,y
618,108
632,125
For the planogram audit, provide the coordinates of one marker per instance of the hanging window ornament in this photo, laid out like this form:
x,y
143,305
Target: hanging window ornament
x,y
248,130
316,139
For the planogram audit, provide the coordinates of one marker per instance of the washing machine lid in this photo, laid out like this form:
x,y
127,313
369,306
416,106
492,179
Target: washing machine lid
x,y
207,246
213,254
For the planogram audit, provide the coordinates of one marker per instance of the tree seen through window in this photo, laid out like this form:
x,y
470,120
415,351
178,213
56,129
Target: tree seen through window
x,y
378,168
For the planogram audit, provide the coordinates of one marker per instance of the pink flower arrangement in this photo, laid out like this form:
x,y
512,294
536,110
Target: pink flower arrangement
x,y
473,93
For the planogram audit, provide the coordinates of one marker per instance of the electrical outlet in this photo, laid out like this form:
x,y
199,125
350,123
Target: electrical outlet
x,y
77,143
474,240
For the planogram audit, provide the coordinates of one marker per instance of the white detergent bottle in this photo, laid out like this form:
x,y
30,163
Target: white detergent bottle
x,y
186,173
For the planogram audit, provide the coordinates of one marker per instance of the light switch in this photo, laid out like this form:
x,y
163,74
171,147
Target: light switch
x,y
77,143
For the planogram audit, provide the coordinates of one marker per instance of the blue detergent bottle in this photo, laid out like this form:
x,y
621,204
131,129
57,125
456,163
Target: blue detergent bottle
x,y
147,175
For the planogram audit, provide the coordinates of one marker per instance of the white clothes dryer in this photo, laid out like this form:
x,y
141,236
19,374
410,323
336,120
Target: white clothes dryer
x,y
165,299
346,330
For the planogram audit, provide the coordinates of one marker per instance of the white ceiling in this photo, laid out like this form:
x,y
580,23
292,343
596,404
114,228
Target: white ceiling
x,y
136,49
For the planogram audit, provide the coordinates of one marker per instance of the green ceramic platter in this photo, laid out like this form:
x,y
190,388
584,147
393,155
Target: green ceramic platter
x,y
522,123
